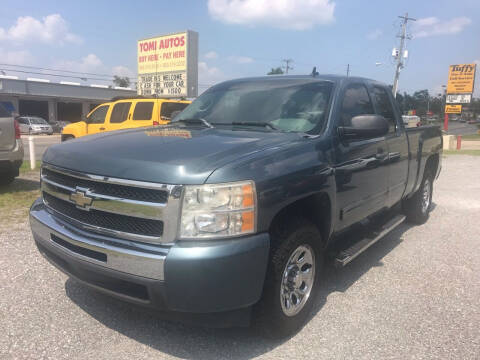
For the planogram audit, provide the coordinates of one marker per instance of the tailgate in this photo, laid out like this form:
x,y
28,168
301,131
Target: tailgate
x,y
7,130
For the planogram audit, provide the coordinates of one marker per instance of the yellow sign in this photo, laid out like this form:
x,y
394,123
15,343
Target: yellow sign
x,y
168,65
453,109
461,79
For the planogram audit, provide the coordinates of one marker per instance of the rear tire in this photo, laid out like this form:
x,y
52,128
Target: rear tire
x,y
293,273
417,208
7,178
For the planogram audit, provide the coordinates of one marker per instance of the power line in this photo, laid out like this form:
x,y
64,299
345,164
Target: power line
x,y
57,75
58,70
399,55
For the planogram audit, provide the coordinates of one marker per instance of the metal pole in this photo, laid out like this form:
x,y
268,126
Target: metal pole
x,y
399,66
31,150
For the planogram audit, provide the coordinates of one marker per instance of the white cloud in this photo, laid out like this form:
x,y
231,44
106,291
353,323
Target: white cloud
x,y
21,57
211,55
240,59
284,14
375,34
89,63
121,70
52,29
208,75
432,26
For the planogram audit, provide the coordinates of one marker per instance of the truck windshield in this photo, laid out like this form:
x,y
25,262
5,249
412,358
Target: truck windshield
x,y
271,104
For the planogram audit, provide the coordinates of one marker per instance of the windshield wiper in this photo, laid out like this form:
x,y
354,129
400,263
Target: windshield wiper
x,y
195,121
251,123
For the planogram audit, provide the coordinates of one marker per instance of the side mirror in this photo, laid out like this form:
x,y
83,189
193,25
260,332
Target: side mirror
x,y
364,127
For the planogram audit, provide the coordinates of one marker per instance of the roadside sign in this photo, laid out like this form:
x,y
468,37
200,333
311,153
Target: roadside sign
x,y
461,79
453,109
168,65
459,98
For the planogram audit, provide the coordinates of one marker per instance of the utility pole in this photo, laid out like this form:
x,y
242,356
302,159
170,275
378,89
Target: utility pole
x,y
399,66
348,70
287,66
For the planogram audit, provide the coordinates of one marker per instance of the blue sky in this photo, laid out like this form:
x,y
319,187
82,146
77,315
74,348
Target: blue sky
x,y
245,38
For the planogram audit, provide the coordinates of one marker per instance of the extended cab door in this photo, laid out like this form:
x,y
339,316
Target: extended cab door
x,y
397,143
96,120
360,165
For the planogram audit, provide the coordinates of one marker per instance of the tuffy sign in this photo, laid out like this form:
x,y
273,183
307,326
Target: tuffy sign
x,y
461,79
168,65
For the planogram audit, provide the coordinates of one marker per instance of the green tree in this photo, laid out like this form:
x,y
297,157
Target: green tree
x,y
121,81
275,71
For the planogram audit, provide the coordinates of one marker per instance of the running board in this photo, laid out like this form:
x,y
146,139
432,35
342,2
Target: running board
x,y
347,255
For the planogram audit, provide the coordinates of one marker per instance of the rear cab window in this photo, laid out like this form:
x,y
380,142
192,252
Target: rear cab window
x,y
120,112
143,110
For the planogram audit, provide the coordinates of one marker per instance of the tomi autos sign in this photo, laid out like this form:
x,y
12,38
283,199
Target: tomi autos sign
x,y
168,65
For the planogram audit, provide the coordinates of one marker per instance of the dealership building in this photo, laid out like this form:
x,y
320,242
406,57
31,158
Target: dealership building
x,y
64,101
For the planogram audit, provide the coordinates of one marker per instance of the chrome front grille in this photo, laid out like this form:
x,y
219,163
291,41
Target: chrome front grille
x,y
121,208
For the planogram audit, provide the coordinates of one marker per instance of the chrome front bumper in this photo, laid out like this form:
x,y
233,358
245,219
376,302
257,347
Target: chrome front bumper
x,y
185,277
121,255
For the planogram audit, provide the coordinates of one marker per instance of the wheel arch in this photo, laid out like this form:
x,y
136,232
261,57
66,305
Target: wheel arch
x,y
316,208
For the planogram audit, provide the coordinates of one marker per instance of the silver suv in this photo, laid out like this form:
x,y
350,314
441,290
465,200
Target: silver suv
x,y
11,147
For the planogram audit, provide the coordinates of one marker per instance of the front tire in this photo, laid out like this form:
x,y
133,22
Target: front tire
x,y
293,273
417,208
67,137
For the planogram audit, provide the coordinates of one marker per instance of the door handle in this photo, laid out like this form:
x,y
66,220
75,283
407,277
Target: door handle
x,y
381,154
102,128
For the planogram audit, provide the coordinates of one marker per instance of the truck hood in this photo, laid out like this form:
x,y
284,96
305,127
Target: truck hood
x,y
167,154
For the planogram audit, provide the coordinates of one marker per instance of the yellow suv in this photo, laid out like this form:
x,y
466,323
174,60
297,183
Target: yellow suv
x,y
125,114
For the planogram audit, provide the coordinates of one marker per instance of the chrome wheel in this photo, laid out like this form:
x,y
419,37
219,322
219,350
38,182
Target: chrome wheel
x,y
297,280
426,195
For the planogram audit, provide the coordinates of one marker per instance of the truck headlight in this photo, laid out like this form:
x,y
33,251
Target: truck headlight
x,y
218,210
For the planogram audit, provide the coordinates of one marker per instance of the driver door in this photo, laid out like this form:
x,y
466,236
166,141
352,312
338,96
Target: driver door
x,y
360,164
96,120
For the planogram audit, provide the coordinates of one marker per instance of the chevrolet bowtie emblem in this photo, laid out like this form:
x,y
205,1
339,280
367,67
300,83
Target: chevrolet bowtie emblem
x,y
80,199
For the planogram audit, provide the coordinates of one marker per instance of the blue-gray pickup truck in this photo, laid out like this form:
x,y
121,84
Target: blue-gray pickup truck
x,y
227,213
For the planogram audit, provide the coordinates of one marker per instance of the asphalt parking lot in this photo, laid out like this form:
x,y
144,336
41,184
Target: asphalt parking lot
x,y
415,295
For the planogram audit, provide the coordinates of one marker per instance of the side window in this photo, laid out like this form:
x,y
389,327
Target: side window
x,y
22,121
384,107
120,112
143,110
169,107
98,116
355,102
